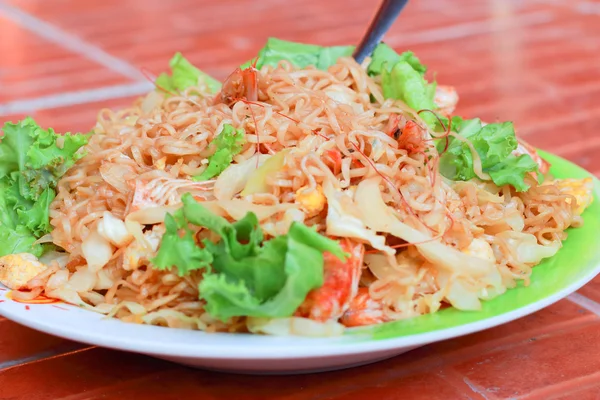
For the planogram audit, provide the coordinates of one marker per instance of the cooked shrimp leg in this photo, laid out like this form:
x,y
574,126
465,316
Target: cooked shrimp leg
x,y
363,310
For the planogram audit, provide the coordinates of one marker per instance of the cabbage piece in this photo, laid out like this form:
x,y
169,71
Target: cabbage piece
x,y
343,219
460,295
96,250
379,217
295,326
527,248
257,181
233,180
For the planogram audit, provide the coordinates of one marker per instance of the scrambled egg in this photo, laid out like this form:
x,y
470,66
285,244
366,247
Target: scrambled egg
x,y
136,254
311,201
480,248
581,189
18,269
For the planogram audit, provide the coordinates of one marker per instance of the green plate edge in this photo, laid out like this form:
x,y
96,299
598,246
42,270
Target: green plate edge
x,y
578,257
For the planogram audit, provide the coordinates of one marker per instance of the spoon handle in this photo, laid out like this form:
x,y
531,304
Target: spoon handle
x,y
385,17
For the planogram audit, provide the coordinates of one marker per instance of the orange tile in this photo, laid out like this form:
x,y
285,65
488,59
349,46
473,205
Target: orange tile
x,y
205,385
19,344
77,118
76,373
31,67
548,360
425,386
590,393
561,314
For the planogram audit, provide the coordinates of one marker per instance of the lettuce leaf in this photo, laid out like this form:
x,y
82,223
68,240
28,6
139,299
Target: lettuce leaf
x,y
403,82
512,170
32,160
18,240
494,144
299,54
180,250
185,75
247,276
228,144
384,57
402,77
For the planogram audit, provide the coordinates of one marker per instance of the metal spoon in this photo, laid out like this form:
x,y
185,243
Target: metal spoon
x,y
385,17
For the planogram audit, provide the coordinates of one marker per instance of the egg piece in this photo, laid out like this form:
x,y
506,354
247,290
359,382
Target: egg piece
x,y
18,269
311,200
581,189
480,248
137,254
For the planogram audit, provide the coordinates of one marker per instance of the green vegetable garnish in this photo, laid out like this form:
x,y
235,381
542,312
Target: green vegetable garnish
x,y
494,144
228,143
185,75
384,57
299,54
247,276
32,160
407,84
180,250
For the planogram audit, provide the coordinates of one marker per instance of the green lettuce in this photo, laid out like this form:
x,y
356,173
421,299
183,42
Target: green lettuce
x,y
247,276
185,75
407,84
180,250
512,171
494,144
227,144
384,57
299,54
32,160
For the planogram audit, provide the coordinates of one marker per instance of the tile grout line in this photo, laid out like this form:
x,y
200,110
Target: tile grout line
x,y
40,357
572,386
584,302
69,41
75,98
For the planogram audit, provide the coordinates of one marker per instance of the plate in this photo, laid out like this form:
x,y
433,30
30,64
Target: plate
x,y
572,267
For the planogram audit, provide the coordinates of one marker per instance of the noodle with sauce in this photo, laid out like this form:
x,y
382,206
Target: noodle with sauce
x,y
326,149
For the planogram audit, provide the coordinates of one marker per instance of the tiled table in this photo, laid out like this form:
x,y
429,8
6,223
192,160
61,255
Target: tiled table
x,y
536,62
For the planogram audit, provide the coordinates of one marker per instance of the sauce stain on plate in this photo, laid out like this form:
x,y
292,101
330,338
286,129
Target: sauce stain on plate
x,y
38,300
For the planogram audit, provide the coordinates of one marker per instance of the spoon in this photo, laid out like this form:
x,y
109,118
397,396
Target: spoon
x,y
385,17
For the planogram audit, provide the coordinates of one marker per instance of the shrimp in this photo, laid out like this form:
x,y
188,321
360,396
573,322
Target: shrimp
x,y
330,301
411,138
164,191
242,84
363,310
526,148
445,99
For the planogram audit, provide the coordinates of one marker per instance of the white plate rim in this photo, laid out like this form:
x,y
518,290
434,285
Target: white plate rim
x,y
244,346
